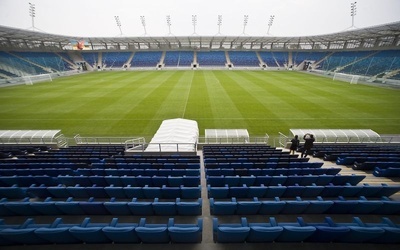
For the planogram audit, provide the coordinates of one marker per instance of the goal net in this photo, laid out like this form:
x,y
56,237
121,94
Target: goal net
x,y
352,79
30,80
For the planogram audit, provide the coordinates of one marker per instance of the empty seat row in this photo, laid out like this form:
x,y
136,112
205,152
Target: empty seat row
x,y
93,207
77,191
155,160
99,171
12,164
288,158
299,231
271,171
262,191
245,156
350,160
102,181
370,165
386,172
300,206
90,232
262,165
302,180
147,165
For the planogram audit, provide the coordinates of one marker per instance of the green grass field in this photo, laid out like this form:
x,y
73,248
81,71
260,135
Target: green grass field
x,y
134,103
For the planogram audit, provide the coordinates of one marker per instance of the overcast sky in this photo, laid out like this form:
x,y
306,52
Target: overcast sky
x,y
88,18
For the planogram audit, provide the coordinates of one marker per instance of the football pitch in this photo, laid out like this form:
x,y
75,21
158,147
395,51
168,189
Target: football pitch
x,y
134,103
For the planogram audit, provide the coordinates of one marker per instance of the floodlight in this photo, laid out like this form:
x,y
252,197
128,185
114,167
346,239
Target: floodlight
x,y
118,24
169,24
270,22
219,24
143,21
245,21
194,22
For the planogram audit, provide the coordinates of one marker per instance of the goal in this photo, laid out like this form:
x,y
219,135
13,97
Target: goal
x,y
352,79
30,80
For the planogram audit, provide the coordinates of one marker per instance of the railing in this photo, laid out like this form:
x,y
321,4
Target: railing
x,y
163,147
100,140
136,143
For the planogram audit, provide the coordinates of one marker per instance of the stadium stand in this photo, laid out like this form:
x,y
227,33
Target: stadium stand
x,y
146,59
212,58
274,59
115,59
178,58
244,59
92,58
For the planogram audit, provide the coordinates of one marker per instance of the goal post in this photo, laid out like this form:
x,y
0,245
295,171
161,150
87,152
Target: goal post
x,y
352,79
30,80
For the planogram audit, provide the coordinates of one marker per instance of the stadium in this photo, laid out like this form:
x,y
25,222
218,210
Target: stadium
x,y
183,141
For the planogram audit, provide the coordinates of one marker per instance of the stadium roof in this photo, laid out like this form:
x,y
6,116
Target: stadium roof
x,y
377,37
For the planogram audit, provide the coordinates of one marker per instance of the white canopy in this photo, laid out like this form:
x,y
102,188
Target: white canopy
x,y
226,135
339,135
175,135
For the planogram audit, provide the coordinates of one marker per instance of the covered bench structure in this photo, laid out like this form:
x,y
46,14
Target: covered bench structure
x,y
33,137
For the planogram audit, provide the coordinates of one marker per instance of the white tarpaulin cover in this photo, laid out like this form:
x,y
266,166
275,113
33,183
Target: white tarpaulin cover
x,y
175,135
338,135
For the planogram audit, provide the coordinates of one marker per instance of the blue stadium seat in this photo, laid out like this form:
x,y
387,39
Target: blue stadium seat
x,y
263,232
272,206
123,233
189,207
293,231
164,207
115,191
117,207
57,234
230,233
69,207
92,207
91,233
324,231
140,207
318,206
248,207
185,233
46,207
223,207
152,233
133,192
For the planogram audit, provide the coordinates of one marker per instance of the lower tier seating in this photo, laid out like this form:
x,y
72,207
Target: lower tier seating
x,y
89,232
299,231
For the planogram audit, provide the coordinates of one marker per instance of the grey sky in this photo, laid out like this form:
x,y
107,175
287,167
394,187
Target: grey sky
x,y
82,18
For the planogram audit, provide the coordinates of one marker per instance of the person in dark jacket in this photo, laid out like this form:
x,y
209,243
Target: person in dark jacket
x,y
308,144
295,144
